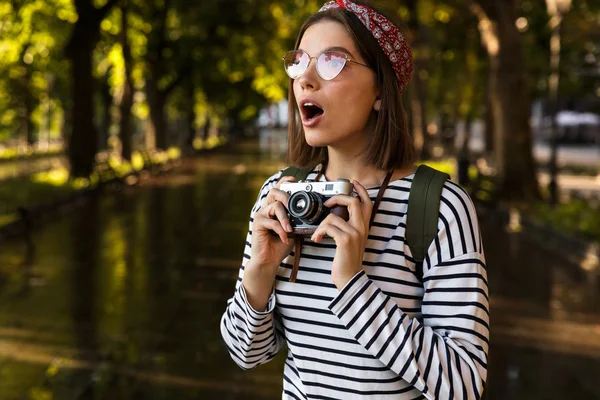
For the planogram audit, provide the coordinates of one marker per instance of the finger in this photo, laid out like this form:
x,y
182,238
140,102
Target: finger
x,y
355,209
365,200
328,229
272,193
275,226
277,195
278,211
332,221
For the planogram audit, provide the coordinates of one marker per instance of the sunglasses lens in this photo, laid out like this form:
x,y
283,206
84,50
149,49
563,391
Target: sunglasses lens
x,y
330,64
295,63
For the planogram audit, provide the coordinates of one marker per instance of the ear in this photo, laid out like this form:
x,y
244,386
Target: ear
x,y
377,104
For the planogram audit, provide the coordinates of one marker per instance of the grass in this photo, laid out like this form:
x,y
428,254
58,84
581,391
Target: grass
x,y
37,189
578,217
54,185
14,154
210,143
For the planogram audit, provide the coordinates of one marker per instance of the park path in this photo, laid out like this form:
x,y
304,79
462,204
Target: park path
x,y
121,299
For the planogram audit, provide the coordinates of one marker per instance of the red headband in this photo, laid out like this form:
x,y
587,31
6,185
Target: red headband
x,y
388,36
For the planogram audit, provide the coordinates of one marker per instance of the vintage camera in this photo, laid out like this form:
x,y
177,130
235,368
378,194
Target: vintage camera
x,y
305,205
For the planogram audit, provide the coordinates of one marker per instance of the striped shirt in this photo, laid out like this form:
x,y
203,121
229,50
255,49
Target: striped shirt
x,y
385,335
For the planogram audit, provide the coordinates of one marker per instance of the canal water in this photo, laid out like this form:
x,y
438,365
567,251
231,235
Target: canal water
x,y
122,297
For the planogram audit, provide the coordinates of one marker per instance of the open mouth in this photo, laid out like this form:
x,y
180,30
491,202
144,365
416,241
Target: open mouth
x,y
311,111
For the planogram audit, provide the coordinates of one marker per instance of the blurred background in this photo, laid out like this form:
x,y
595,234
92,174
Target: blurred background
x,y
135,135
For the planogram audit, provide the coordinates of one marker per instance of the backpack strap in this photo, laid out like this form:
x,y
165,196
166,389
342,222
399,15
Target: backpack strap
x,y
423,212
299,173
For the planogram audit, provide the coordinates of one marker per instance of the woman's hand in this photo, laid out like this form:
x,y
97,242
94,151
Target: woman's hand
x,y
270,245
350,237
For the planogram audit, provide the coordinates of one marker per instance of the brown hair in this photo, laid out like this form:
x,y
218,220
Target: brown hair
x,y
391,144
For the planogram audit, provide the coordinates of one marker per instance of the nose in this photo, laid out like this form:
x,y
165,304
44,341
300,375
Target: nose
x,y
310,77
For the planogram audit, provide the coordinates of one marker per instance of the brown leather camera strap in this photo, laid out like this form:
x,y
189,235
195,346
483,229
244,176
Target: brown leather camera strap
x,y
299,241
297,250
382,189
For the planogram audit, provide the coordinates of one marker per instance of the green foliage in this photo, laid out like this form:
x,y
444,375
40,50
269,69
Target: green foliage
x,y
578,217
229,52
31,67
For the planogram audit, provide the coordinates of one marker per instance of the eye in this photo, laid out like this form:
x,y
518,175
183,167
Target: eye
x,y
335,59
335,62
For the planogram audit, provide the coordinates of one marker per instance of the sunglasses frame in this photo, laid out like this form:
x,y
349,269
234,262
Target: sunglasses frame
x,y
346,59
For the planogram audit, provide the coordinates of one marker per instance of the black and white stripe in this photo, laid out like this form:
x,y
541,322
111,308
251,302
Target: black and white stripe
x,y
385,335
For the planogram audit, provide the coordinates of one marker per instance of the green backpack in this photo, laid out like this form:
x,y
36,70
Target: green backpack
x,y
423,209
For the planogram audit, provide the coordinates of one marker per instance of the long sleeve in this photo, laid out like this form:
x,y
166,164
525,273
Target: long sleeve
x,y
251,336
442,353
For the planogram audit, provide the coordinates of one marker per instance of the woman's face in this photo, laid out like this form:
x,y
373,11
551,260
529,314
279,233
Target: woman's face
x,y
347,100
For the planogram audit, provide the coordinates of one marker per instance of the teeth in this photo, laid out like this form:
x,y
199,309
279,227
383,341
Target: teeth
x,y
308,104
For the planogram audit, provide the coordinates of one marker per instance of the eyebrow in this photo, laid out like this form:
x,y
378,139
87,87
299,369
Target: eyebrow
x,y
340,48
334,48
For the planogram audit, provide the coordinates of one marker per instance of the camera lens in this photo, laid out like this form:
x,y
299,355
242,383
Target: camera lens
x,y
306,206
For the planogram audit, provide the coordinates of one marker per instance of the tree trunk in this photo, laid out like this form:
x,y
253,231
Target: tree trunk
x,y
25,102
29,106
489,115
107,102
418,118
418,86
157,96
206,129
512,112
157,101
510,103
83,141
127,99
191,115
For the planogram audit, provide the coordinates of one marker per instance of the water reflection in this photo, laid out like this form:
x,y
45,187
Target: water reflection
x,y
122,298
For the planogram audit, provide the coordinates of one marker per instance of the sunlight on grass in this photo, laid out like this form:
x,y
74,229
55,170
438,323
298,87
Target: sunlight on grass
x,y
54,177
8,219
137,161
210,143
174,153
38,393
9,153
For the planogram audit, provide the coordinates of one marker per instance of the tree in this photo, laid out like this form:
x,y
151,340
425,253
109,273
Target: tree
x,y
29,72
83,142
509,97
125,131
417,90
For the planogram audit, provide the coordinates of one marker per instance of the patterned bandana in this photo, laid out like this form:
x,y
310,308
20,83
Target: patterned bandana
x,y
388,36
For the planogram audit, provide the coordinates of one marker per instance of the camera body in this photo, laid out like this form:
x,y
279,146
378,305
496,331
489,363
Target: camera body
x,y
305,205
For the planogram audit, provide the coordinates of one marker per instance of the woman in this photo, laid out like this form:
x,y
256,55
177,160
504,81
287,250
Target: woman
x,y
357,320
